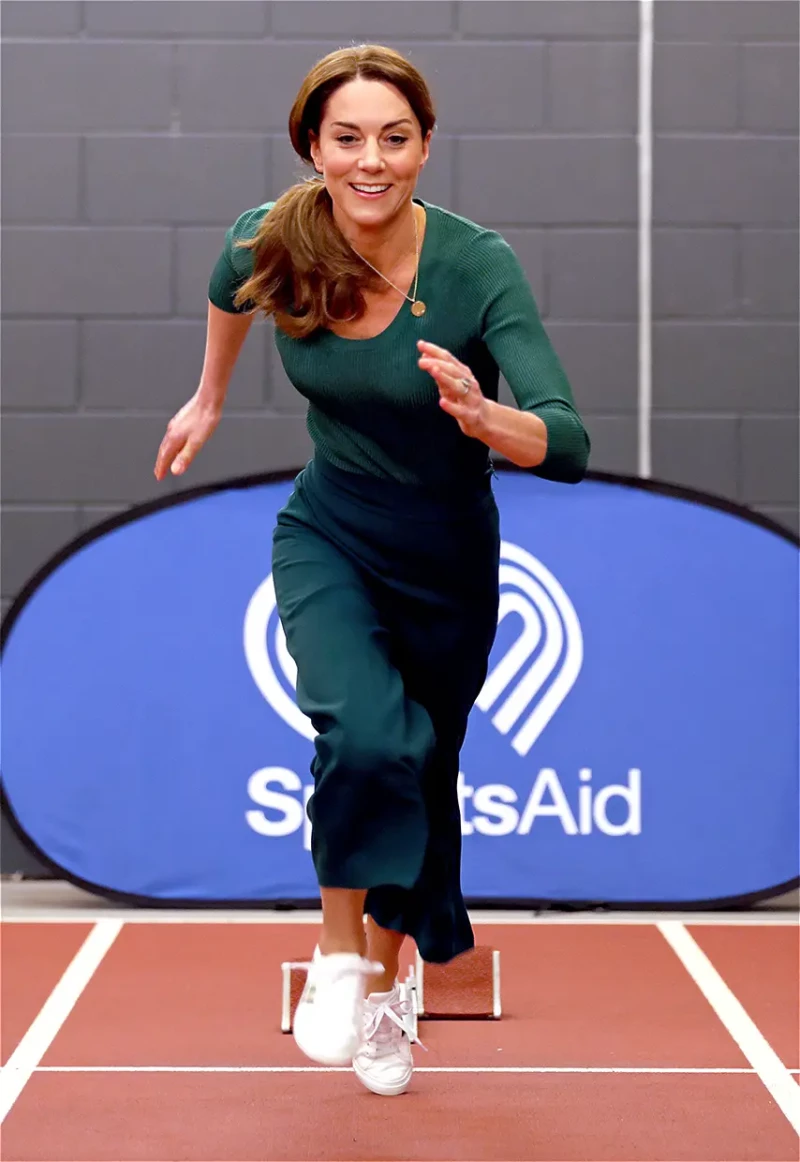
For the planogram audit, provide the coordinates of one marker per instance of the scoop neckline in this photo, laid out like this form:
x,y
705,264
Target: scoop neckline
x,y
397,321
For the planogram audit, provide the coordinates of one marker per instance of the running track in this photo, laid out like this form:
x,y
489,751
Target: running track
x,y
155,1037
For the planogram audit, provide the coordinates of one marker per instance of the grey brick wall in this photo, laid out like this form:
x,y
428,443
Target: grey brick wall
x,y
725,250
134,132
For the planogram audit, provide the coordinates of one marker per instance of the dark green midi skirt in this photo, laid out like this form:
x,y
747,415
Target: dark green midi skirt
x,y
388,598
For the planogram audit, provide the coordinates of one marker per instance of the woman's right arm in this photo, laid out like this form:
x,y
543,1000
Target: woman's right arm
x,y
226,332
197,420
225,336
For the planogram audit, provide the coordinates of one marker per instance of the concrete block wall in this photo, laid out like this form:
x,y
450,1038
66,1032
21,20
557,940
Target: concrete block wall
x,y
135,131
725,251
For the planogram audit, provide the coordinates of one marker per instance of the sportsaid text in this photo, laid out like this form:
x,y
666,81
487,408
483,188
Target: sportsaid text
x,y
575,804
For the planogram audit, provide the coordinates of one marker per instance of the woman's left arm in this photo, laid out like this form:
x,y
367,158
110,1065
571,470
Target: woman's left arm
x,y
521,437
546,433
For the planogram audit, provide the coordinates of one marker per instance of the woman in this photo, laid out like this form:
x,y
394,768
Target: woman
x,y
394,318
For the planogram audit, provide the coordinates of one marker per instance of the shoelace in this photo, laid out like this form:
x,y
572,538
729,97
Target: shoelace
x,y
401,1019
384,1009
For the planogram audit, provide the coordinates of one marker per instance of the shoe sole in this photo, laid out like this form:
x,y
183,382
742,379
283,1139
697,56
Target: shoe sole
x,y
382,1091
309,1050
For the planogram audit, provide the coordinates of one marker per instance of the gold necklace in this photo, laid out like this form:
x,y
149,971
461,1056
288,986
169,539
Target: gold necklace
x,y
418,308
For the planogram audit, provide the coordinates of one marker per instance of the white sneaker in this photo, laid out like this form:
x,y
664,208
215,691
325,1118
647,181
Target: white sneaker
x,y
384,1063
328,1023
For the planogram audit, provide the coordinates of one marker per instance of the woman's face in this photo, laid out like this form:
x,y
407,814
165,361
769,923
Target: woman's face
x,y
370,151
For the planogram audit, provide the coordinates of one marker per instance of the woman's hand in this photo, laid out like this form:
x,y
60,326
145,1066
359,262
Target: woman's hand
x,y
519,436
459,393
186,433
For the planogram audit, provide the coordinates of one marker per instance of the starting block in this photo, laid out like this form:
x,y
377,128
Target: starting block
x,y
468,988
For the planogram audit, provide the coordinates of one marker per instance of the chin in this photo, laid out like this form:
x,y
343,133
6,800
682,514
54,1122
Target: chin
x,y
362,213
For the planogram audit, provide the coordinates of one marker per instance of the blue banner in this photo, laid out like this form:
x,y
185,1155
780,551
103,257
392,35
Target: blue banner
x,y
636,741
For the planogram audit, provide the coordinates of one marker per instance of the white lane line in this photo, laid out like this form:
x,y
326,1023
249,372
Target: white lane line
x,y
26,1057
752,1042
522,920
633,1069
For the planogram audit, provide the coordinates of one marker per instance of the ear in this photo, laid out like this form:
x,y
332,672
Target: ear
x,y
426,149
316,152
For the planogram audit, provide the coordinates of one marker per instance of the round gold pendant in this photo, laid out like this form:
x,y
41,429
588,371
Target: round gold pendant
x,y
418,308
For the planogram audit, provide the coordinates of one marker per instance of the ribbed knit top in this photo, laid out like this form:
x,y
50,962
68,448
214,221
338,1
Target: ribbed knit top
x,y
371,409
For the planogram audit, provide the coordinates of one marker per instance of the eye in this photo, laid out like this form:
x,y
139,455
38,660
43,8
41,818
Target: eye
x,y
398,139
345,138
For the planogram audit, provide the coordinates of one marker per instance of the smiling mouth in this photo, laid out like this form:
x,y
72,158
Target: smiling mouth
x,y
365,190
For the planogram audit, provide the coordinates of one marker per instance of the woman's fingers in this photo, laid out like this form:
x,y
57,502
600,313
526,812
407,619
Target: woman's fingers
x,y
186,434
448,371
434,352
459,392
186,455
449,379
431,351
168,450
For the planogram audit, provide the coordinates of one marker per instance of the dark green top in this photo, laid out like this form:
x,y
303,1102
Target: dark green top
x,y
373,410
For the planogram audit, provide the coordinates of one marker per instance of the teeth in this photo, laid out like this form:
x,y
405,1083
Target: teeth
x,y
370,189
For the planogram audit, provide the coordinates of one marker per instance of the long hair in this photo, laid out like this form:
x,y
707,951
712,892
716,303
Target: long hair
x,y
305,273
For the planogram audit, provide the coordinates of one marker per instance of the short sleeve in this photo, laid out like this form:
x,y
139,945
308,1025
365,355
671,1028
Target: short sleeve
x,y
235,263
513,332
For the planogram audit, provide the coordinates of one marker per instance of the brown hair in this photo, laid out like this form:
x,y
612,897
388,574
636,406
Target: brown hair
x,y
305,273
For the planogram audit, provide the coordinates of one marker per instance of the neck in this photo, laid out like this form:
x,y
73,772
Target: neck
x,y
386,245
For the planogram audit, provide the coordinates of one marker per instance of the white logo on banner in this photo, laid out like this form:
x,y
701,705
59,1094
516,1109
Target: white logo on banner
x,y
550,646
259,623
526,685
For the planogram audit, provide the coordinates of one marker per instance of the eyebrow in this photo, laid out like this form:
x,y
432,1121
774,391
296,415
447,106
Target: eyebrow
x,y
388,125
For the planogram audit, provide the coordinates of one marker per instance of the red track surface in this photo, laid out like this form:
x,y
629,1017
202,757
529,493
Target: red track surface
x,y
32,958
576,997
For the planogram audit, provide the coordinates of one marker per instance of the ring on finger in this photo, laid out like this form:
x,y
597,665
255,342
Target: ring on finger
x,y
466,384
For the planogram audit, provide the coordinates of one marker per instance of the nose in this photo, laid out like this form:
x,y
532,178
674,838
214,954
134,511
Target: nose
x,y
371,159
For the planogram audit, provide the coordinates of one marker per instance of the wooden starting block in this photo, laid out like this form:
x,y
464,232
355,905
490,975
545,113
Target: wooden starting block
x,y
468,988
